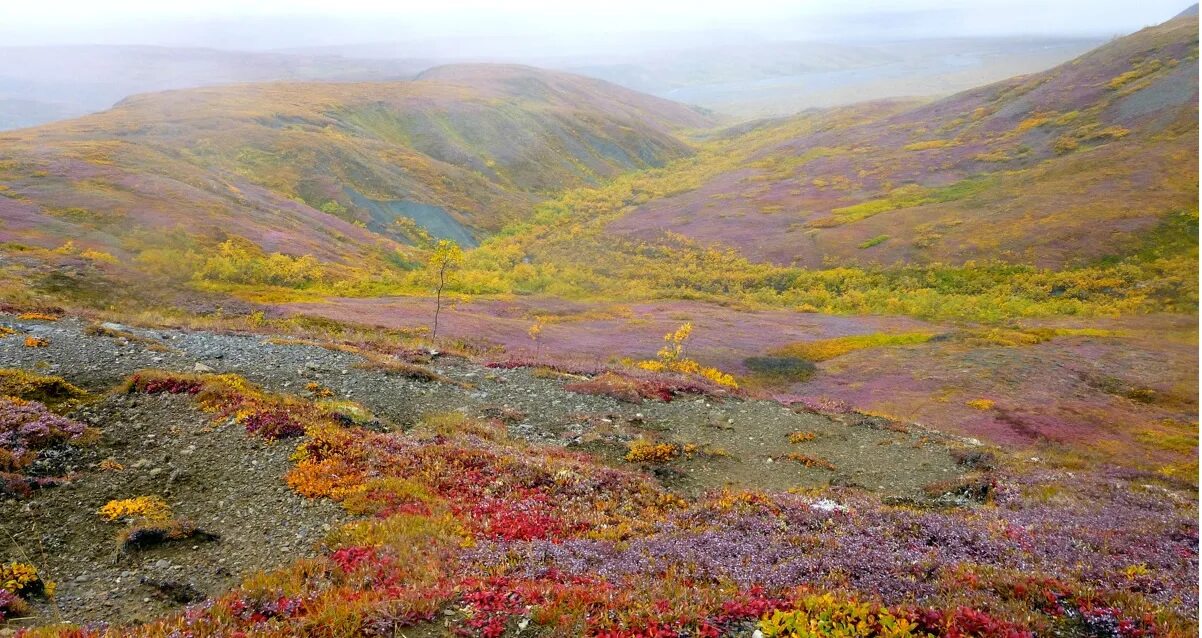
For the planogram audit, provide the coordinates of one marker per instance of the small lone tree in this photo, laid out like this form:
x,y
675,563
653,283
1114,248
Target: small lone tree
x,y
536,333
445,258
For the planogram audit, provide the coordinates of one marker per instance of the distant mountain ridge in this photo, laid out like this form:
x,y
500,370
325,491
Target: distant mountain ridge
x,y
43,84
40,84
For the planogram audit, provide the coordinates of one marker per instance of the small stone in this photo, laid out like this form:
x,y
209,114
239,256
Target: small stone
x,y
162,563
200,367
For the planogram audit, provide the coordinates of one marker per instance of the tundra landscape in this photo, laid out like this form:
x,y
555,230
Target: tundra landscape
x,y
820,340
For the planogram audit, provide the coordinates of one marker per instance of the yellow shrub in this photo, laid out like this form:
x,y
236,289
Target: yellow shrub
x,y
929,144
98,255
148,508
644,451
827,617
672,359
18,577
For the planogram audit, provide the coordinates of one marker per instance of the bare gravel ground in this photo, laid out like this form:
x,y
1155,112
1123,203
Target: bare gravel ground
x,y
231,484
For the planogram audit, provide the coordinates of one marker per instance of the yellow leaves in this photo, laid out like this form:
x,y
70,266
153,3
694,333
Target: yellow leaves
x,y
98,255
1140,70
674,348
36,342
18,577
980,404
241,261
1035,121
929,144
446,254
719,377
318,390
1136,571
825,616
146,508
671,359
644,451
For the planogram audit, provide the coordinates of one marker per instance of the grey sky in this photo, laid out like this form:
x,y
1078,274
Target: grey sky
x,y
557,24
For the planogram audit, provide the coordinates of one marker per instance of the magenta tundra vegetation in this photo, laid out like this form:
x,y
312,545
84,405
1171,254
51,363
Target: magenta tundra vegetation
x,y
903,369
459,526
1053,383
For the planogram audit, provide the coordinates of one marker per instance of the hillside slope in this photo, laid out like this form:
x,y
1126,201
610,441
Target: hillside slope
x,y
342,172
1057,168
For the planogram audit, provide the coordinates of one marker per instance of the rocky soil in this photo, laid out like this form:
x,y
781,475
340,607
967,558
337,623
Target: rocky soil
x,y
231,485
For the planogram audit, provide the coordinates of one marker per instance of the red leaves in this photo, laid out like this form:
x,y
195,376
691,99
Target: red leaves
x,y
753,603
350,558
169,385
965,622
511,520
273,423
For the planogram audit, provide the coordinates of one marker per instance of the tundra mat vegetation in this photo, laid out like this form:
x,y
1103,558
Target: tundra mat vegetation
x,y
192,313
491,521
1069,192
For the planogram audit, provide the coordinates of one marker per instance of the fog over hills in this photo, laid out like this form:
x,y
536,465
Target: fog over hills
x,y
751,67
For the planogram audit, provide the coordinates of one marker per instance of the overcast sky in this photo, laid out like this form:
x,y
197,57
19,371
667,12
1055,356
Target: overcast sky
x,y
266,24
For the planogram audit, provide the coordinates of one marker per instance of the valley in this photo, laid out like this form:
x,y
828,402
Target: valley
x,y
492,350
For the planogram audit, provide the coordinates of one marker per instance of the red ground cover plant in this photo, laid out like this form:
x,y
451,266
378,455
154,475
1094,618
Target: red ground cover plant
x,y
458,527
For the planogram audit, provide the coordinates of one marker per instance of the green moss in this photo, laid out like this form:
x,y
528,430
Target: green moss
x,y
823,349
875,241
909,196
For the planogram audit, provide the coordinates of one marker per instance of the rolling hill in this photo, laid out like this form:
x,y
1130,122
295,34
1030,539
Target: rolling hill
x,y
581,187
1053,169
344,173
